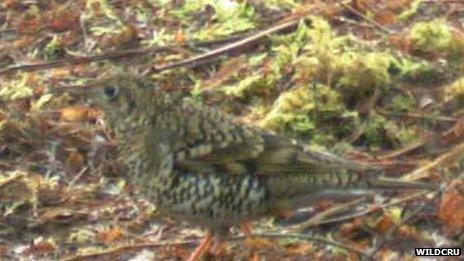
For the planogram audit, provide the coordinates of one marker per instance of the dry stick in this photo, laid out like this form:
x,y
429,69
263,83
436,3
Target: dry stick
x,y
308,238
392,230
112,55
424,171
199,59
324,215
368,211
418,115
356,12
403,150
83,59
123,249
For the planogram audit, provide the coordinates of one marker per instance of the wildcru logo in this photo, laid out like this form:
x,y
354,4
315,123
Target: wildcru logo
x,y
440,251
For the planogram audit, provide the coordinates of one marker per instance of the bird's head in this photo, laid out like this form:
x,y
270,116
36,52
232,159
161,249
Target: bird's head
x,y
118,96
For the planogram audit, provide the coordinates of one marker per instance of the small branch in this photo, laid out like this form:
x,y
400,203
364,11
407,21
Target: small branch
x,y
446,158
83,59
356,12
121,54
366,212
407,148
202,58
418,115
308,238
114,55
130,248
325,215
394,227
124,249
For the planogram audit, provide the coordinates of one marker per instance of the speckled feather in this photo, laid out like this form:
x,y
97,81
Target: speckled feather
x,y
202,166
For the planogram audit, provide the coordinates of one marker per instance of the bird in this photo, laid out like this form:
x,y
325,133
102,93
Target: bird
x,y
200,165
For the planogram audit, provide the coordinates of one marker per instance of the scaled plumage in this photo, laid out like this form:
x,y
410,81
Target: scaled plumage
x,y
206,168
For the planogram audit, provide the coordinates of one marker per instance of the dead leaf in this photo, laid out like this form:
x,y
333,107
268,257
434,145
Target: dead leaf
x,y
109,235
227,69
74,161
41,246
385,17
179,36
401,42
385,223
451,207
62,19
127,37
298,248
79,113
59,215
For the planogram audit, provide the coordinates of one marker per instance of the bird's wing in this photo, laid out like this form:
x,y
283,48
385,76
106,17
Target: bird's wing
x,y
217,142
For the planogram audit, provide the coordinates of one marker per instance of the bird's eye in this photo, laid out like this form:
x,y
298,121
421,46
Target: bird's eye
x,y
110,91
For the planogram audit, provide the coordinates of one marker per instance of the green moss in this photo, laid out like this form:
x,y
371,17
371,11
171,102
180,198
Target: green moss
x,y
52,48
361,73
17,88
249,85
437,36
407,69
381,132
401,103
302,109
285,51
228,17
374,131
409,11
455,91
432,35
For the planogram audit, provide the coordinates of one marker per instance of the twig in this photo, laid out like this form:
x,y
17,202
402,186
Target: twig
x,y
418,115
123,249
356,12
403,150
83,59
424,171
129,248
202,58
392,230
120,54
324,215
16,175
308,238
368,211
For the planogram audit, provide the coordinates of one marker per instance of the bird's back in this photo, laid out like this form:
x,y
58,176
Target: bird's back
x,y
212,169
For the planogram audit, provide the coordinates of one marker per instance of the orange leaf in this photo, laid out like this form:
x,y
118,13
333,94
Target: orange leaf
x,y
29,23
62,20
385,223
110,235
451,207
179,36
227,69
298,248
385,17
348,229
401,42
127,37
41,246
79,113
74,161
408,232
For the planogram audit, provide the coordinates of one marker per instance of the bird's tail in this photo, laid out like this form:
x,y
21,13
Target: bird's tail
x,y
393,184
304,189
